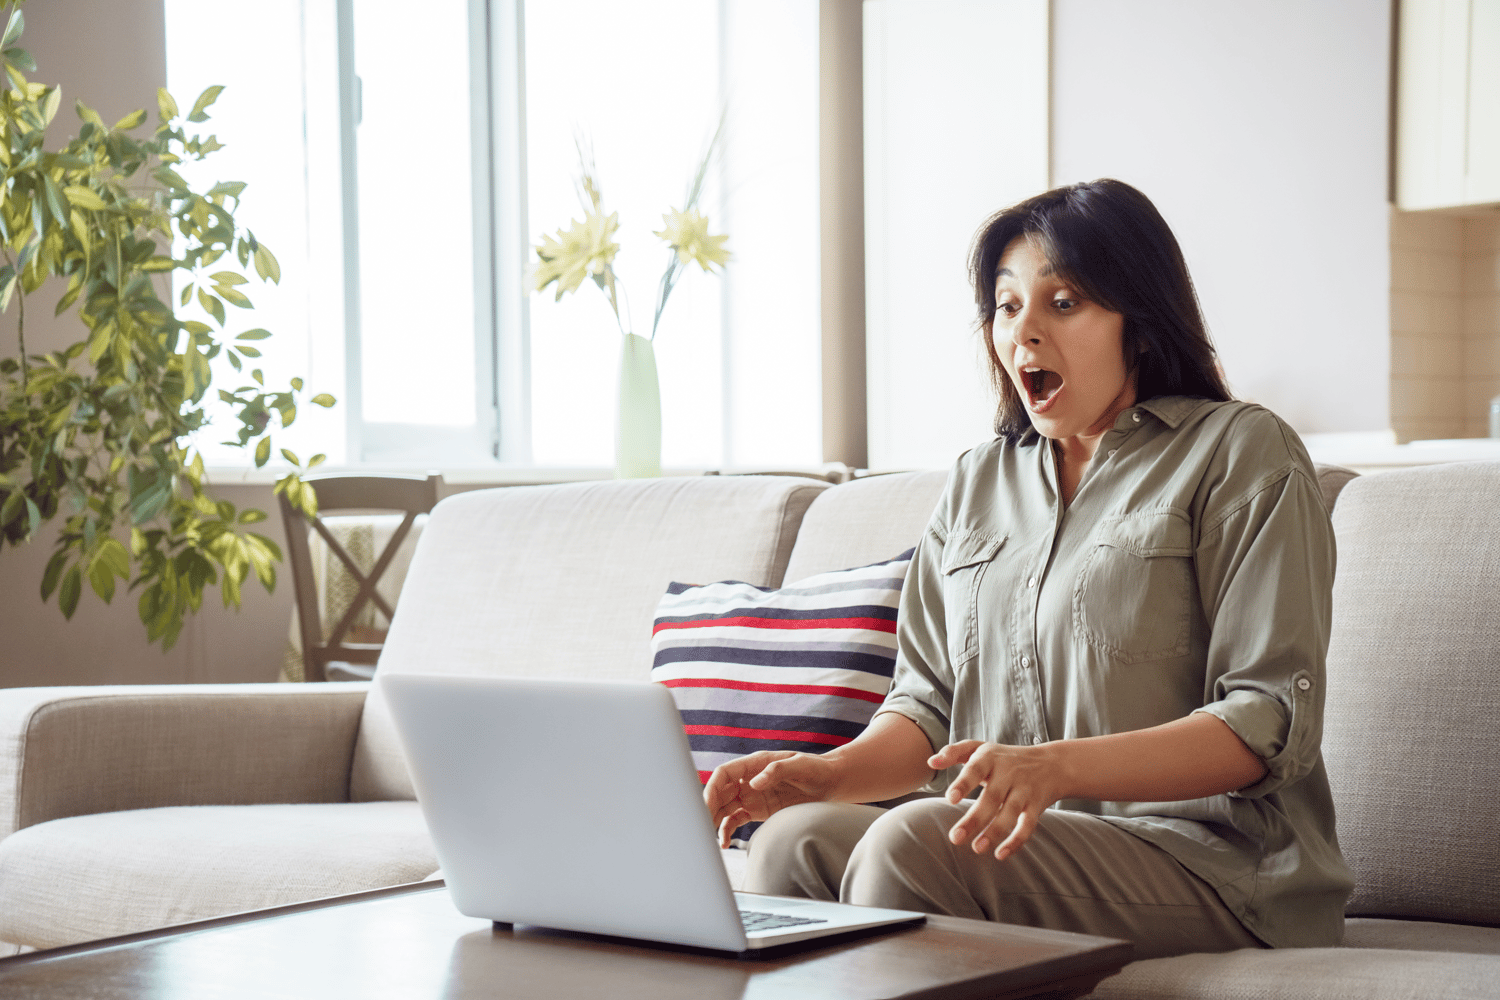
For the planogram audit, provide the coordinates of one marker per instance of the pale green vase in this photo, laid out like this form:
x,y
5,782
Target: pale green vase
x,y
638,425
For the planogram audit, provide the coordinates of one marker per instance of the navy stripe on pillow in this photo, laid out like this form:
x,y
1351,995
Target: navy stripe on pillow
x,y
802,667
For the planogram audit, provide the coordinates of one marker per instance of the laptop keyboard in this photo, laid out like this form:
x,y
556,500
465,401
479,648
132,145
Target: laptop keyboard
x,y
757,920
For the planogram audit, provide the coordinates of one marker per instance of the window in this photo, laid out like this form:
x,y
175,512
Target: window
x,y
417,158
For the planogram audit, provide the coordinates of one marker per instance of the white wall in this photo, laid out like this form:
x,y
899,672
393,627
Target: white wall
x,y
1260,131
955,128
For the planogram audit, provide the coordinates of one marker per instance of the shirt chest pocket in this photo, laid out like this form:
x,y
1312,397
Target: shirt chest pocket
x,y
1134,598
966,557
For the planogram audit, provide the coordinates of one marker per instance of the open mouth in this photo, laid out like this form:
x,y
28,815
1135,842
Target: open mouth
x,y
1041,386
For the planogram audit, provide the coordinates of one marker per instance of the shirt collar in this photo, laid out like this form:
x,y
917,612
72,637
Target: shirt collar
x,y
1172,410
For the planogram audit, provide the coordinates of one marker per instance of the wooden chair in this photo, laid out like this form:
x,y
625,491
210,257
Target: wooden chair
x,y
349,660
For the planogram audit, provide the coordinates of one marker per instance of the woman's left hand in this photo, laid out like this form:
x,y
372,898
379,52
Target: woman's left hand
x,y
1019,782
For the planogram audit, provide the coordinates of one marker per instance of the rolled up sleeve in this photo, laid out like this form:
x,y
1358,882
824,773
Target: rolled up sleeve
x,y
1265,572
922,687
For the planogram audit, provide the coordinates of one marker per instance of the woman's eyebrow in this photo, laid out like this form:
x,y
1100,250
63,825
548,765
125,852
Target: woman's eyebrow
x,y
1005,272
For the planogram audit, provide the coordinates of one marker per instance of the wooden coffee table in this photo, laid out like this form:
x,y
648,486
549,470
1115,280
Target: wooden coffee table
x,y
409,941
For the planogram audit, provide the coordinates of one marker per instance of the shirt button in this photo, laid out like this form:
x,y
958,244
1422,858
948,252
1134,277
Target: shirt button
x,y
1031,582
1303,683
1112,452
1025,661
1136,417
1037,741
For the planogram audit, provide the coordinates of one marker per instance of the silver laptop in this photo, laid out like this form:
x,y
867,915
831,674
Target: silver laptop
x,y
575,805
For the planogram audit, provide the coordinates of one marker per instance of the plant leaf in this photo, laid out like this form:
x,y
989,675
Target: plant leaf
x,y
50,105
55,567
291,456
86,198
13,29
67,597
113,554
165,104
12,507
204,100
56,203
89,115
323,399
131,120
266,265
263,451
258,334
102,579
234,296
21,59
211,305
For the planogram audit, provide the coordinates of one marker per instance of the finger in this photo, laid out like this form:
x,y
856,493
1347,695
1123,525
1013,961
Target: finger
x,y
731,823
979,818
726,809
781,769
1025,826
977,770
723,785
789,769
953,753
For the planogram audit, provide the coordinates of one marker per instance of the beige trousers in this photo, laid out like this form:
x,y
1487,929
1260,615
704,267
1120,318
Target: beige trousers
x,y
1077,873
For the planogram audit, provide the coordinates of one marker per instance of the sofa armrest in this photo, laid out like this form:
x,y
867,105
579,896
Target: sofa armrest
x,y
70,751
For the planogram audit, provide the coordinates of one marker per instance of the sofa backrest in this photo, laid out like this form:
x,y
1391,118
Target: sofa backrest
x,y
563,581
873,519
865,521
1413,694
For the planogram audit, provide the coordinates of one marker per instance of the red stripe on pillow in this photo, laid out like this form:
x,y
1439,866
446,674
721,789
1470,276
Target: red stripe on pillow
x,y
874,624
703,777
766,734
720,682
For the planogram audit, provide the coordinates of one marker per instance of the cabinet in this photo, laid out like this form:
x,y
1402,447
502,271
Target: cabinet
x,y
1448,103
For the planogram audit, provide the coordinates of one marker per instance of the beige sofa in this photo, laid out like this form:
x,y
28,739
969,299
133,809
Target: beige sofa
x,y
128,808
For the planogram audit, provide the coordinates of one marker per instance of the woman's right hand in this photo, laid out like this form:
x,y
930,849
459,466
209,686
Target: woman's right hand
x,y
753,787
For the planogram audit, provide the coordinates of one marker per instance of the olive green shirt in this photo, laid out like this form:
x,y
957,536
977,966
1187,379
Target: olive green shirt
x,y
1192,572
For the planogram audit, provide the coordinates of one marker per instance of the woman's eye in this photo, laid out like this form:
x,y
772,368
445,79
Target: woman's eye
x,y
1008,308
1064,304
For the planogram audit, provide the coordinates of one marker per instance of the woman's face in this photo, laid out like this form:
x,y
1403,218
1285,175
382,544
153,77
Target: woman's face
x,y
1063,353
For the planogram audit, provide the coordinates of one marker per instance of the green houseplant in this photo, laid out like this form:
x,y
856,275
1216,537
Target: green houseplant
x,y
98,433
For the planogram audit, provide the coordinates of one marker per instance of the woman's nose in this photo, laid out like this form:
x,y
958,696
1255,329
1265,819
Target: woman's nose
x,y
1025,330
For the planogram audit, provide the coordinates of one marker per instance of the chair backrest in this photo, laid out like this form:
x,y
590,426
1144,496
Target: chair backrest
x,y
1409,734
407,495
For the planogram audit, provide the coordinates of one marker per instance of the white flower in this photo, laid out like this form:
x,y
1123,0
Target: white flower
x,y
687,232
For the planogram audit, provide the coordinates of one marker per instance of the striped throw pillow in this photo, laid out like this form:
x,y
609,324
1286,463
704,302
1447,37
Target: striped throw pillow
x,y
803,667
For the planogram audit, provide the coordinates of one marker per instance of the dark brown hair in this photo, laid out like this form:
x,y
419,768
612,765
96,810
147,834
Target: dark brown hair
x,y
1110,243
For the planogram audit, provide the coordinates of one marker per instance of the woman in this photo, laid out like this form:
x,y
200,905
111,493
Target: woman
x,y
1120,609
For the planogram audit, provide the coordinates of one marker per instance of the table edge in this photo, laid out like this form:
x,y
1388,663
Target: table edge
x,y
214,923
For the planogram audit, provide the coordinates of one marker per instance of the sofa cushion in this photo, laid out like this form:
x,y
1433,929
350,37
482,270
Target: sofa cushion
x,y
801,667
562,581
88,877
863,521
1307,974
1413,692
1420,935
